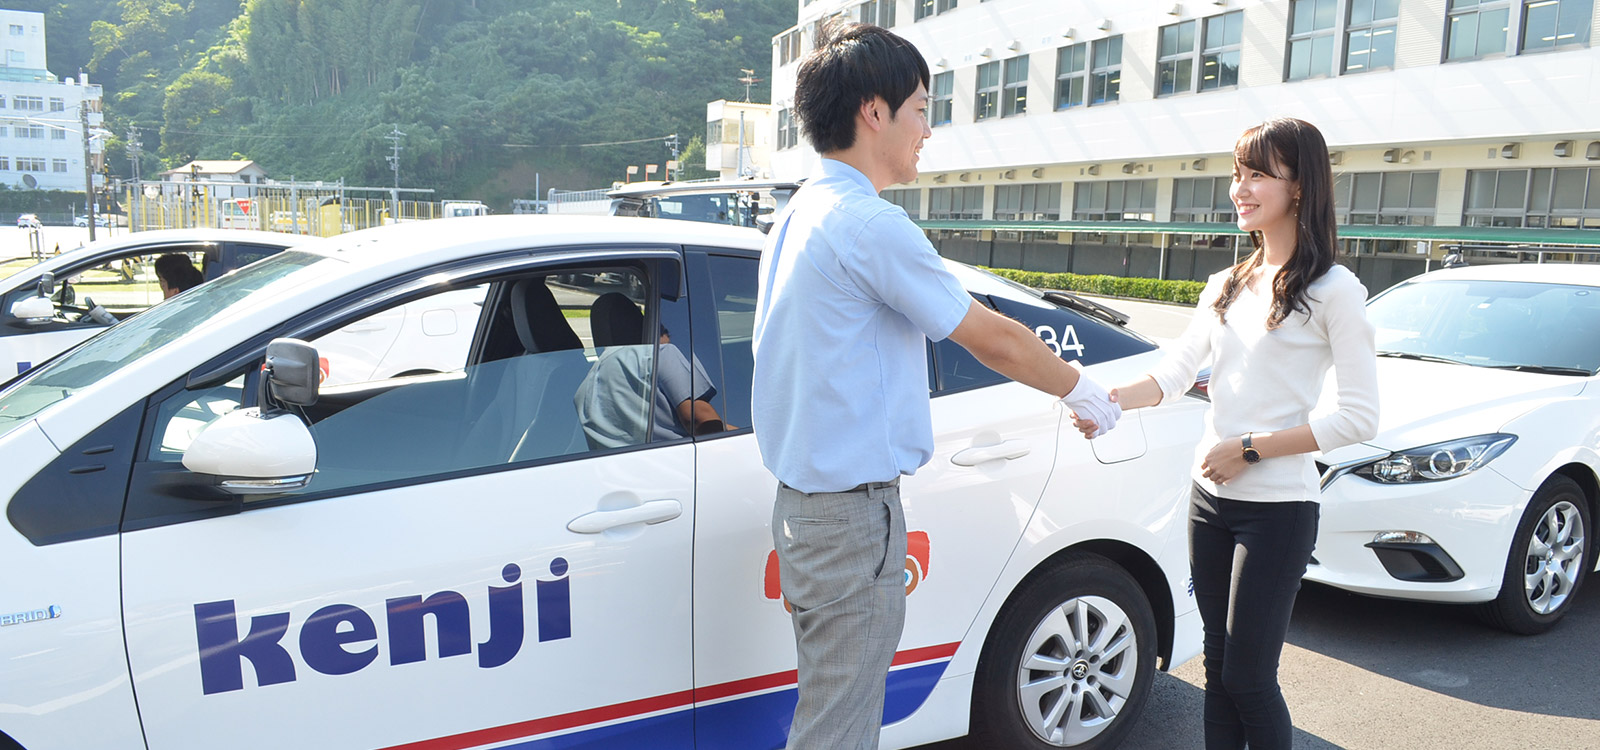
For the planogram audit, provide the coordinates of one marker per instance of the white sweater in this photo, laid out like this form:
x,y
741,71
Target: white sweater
x,y
1265,381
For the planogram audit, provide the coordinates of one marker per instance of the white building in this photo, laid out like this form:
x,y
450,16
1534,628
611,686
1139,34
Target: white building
x,y
739,139
41,117
1447,118
217,178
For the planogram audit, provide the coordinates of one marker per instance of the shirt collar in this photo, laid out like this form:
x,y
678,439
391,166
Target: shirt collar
x,y
835,169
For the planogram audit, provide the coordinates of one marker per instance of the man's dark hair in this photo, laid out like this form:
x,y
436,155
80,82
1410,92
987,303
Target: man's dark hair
x,y
850,64
178,272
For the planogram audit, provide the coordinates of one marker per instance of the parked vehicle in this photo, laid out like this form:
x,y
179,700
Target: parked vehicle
x,y
1481,486
120,273
212,536
28,221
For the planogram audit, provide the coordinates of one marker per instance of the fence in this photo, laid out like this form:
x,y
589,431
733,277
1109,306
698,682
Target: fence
x,y
320,212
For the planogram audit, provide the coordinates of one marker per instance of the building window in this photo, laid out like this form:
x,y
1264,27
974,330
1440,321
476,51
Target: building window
x,y
1477,28
58,165
16,29
1027,202
1311,25
943,104
5,164
909,199
1547,24
1071,78
1175,61
788,129
30,131
1015,99
1496,198
925,8
1105,76
880,12
956,203
1116,200
1369,35
15,58
30,164
988,98
3,131
789,47
58,134
1203,200
1386,197
57,104
1219,56
28,103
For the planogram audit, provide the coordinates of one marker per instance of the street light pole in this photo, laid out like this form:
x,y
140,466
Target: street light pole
x,y
88,169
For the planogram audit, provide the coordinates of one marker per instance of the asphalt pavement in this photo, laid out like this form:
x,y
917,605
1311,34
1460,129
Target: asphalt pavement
x,y
1376,674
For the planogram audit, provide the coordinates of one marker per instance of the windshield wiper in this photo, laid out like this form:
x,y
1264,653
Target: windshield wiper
x,y
1420,357
1545,369
1092,309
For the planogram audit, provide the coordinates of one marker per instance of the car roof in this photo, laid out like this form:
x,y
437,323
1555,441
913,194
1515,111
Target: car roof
x,y
1583,274
425,243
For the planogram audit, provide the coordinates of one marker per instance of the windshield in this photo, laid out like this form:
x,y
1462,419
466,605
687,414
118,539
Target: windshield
x,y
1486,323
122,344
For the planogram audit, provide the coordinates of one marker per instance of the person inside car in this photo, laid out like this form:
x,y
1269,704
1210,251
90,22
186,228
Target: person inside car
x,y
176,273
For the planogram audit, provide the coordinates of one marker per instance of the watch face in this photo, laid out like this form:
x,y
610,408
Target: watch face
x,y
1251,455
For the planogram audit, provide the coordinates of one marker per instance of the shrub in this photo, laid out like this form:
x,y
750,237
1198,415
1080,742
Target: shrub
x,y
1186,292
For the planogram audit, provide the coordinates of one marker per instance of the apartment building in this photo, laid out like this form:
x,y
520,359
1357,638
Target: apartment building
x,y
1086,135
41,129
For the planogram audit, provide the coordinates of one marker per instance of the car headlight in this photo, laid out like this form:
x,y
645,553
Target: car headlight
x,y
1440,461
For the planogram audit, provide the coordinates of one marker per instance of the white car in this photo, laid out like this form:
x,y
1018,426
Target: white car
x,y
116,275
1481,485
208,547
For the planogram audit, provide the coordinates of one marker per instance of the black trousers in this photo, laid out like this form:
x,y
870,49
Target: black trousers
x,y
1247,559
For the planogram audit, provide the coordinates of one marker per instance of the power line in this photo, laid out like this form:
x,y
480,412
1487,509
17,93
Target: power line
x,y
581,145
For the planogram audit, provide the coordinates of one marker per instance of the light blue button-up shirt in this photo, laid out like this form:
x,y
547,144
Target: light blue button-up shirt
x,y
850,292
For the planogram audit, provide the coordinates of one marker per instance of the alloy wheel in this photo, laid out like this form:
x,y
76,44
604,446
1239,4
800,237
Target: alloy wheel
x,y
1077,671
1554,559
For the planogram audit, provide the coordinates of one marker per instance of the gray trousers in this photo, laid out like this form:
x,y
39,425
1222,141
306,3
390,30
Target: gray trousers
x,y
841,558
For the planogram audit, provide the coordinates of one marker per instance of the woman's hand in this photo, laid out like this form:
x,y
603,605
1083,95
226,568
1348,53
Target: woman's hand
x,y
1224,461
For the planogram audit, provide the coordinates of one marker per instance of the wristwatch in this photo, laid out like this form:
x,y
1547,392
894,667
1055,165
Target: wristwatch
x,y
1251,455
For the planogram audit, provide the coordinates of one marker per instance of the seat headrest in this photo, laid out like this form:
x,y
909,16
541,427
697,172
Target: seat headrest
x,y
540,325
616,321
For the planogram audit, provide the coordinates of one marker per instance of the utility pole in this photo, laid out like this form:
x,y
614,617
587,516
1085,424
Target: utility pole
x,y
394,138
88,168
135,150
672,145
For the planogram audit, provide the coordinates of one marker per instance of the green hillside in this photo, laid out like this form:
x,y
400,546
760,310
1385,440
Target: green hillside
x,y
488,92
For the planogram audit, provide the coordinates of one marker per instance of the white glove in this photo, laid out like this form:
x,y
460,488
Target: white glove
x,y
1089,401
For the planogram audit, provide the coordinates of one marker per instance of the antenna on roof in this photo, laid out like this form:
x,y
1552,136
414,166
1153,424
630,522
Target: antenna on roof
x,y
748,79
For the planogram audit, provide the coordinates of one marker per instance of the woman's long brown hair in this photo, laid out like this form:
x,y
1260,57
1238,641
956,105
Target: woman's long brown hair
x,y
1292,150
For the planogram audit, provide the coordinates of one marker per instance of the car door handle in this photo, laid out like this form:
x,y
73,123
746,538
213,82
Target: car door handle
x,y
654,511
1005,451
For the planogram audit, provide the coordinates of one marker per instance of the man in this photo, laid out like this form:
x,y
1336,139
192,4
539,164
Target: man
x,y
176,273
850,290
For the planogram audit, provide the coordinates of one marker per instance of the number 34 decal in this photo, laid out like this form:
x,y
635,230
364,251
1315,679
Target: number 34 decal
x,y
1064,341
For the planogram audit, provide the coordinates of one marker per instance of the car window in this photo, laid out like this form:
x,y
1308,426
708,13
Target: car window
x,y
124,344
1068,333
123,287
566,364
1491,323
733,287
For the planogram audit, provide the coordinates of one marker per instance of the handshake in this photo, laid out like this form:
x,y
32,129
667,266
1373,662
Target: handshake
x,y
1094,412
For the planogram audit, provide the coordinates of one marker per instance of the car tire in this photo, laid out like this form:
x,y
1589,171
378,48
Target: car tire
x,y
1042,684
1541,577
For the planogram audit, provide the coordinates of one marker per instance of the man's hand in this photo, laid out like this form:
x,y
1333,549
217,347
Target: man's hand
x,y
1094,412
1224,462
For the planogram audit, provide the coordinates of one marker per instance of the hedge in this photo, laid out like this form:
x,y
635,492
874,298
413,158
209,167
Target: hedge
x,y
1186,292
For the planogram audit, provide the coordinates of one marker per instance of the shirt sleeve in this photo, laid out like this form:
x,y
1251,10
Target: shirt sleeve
x,y
893,262
1355,365
677,380
1178,369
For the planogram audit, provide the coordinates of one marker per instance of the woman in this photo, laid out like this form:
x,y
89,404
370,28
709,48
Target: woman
x,y
1271,327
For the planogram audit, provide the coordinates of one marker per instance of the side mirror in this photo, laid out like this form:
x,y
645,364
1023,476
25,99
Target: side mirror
x,y
34,310
47,283
292,372
250,454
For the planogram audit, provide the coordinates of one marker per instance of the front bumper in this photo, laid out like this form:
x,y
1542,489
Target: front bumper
x,y
1470,521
